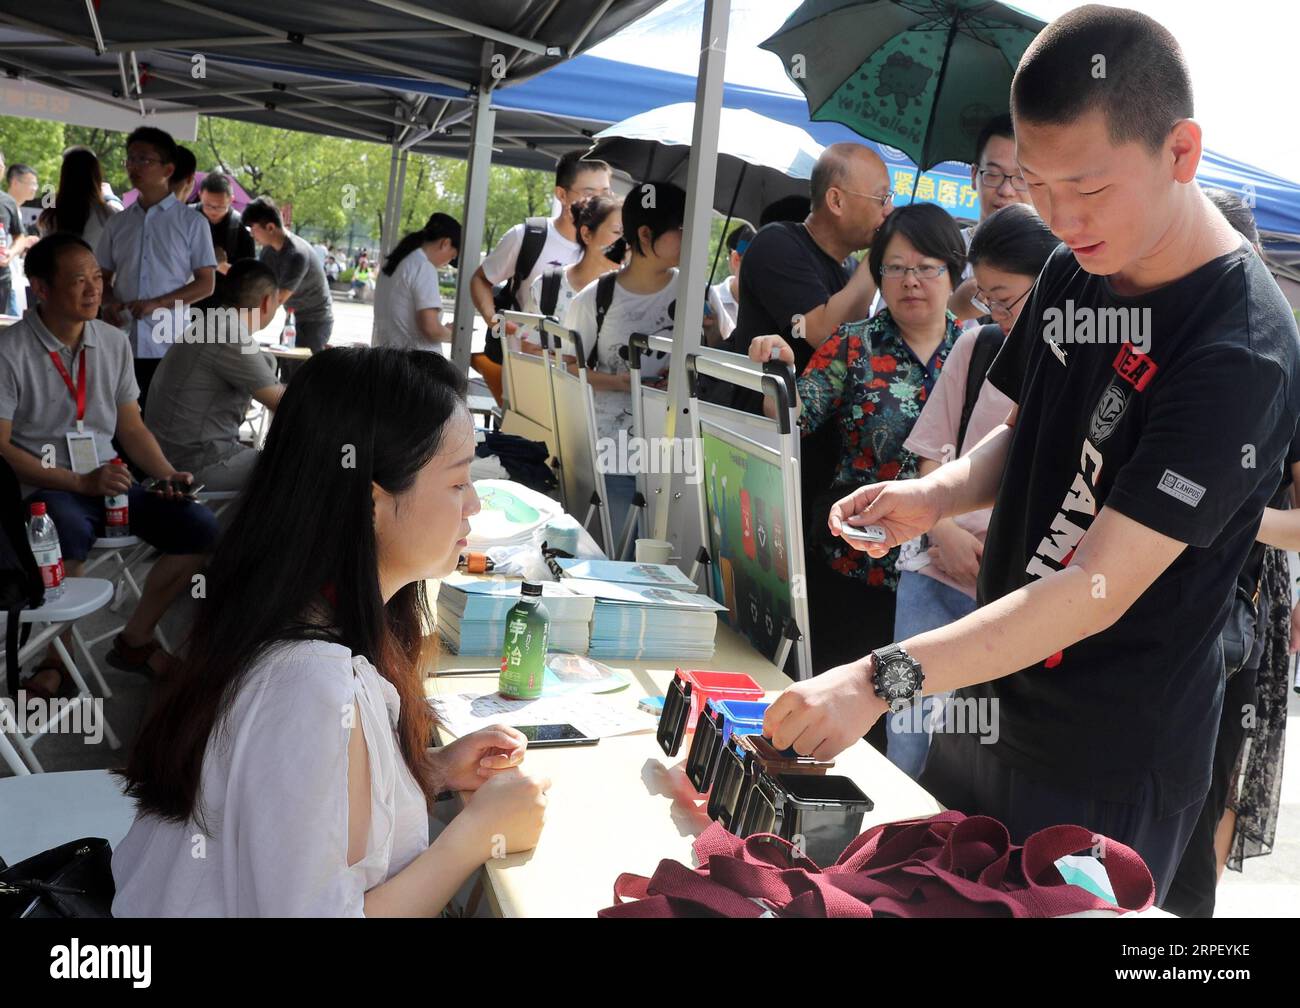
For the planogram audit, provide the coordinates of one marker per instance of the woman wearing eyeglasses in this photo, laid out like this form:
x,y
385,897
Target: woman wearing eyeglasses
x,y
871,378
936,584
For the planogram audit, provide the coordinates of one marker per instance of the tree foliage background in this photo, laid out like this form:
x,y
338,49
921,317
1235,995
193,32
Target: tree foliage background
x,y
336,186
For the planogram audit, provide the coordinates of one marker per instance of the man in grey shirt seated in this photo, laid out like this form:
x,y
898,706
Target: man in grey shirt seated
x,y
300,275
201,392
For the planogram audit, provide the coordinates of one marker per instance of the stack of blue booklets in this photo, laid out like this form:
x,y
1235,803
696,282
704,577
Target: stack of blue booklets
x,y
472,614
646,575
639,622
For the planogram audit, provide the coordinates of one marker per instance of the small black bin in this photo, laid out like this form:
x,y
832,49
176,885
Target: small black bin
x,y
824,812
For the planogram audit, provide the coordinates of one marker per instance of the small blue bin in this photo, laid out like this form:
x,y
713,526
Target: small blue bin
x,y
741,717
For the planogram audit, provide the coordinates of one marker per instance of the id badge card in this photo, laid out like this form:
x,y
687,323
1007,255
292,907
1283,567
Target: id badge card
x,y
82,452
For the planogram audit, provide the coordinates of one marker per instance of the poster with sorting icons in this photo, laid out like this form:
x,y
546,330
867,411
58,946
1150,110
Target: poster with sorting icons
x,y
748,539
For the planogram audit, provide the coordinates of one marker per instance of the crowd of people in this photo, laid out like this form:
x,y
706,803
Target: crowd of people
x,y
1047,504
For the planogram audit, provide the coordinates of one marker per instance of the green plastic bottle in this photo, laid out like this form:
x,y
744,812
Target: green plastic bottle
x,y
523,656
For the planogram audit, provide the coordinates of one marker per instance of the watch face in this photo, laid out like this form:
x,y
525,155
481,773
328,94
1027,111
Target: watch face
x,y
896,679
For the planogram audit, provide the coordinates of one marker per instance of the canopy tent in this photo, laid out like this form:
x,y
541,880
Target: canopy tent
x,y
154,55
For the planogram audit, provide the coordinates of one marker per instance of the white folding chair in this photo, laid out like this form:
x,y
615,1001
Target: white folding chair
x,y
123,552
81,597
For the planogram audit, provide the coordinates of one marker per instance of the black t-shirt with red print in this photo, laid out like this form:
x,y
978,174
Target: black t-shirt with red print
x,y
1184,428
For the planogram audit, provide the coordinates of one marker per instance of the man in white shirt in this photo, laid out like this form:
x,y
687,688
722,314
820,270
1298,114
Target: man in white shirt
x,y
156,256
527,250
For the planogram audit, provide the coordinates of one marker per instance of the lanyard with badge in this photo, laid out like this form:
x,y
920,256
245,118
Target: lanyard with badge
x,y
81,446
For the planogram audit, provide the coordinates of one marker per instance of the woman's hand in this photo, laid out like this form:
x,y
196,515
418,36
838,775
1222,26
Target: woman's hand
x,y
761,348
1295,629
507,812
956,552
903,508
469,761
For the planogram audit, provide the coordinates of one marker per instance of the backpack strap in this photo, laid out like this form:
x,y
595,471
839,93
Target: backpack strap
x,y
530,250
988,341
604,298
551,280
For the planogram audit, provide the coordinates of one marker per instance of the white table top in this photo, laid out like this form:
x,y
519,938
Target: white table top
x,y
41,811
622,806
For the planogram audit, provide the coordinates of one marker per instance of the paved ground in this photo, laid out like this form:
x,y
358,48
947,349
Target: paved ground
x,y
1269,886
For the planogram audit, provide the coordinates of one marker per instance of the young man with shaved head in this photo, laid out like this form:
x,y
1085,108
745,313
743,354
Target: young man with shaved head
x,y
1127,485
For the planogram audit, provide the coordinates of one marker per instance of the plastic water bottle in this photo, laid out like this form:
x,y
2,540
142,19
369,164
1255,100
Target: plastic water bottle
x,y
523,656
117,514
289,336
44,540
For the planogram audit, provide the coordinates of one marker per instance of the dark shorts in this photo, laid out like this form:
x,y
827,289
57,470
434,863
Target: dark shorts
x,y
172,527
965,775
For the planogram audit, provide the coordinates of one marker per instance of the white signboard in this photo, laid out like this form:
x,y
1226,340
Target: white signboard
x,y
38,101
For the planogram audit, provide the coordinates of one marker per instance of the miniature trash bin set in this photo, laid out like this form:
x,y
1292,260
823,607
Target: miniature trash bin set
x,y
752,786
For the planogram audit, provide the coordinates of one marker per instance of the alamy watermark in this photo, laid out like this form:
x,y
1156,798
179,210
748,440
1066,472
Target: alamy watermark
x,y
631,455
952,715
31,714
1078,324
206,325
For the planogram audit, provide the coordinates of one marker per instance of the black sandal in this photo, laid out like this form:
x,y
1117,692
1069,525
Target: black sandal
x,y
136,659
33,688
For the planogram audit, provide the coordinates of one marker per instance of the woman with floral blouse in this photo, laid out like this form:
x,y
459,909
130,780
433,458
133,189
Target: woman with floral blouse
x,y
871,379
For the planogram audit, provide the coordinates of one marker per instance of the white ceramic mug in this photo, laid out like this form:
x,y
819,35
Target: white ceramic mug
x,y
656,551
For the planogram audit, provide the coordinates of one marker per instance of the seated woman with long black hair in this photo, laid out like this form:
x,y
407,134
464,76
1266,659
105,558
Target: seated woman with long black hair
x,y
285,771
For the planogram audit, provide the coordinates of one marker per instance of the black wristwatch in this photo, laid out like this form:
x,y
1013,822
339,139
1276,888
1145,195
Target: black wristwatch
x,y
896,676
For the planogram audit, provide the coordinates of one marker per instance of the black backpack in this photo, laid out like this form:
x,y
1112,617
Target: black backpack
x,y
20,579
988,342
505,297
551,281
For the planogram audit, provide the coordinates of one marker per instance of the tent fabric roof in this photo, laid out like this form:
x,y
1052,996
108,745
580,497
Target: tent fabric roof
x,y
431,40
282,69
330,81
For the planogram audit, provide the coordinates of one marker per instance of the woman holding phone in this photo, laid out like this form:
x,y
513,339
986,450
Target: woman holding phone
x,y
286,770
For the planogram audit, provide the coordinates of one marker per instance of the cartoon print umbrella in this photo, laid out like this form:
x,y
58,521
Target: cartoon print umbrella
x,y
920,75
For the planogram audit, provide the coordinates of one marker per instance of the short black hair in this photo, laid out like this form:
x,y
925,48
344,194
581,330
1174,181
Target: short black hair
x,y
16,170
572,164
262,211
217,182
1237,212
186,163
999,126
247,282
787,208
1014,239
744,233
660,206
160,140
1109,58
42,260
932,232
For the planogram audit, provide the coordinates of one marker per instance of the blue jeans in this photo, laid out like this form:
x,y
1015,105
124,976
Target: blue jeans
x,y
923,604
174,527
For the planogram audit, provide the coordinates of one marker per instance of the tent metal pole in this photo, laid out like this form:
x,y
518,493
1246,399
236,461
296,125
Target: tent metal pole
x,y
386,222
310,41
219,41
677,493
94,26
476,186
401,195
470,27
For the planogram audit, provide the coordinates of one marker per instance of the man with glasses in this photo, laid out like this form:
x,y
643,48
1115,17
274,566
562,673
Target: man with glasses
x,y
504,280
156,256
231,240
995,175
794,282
